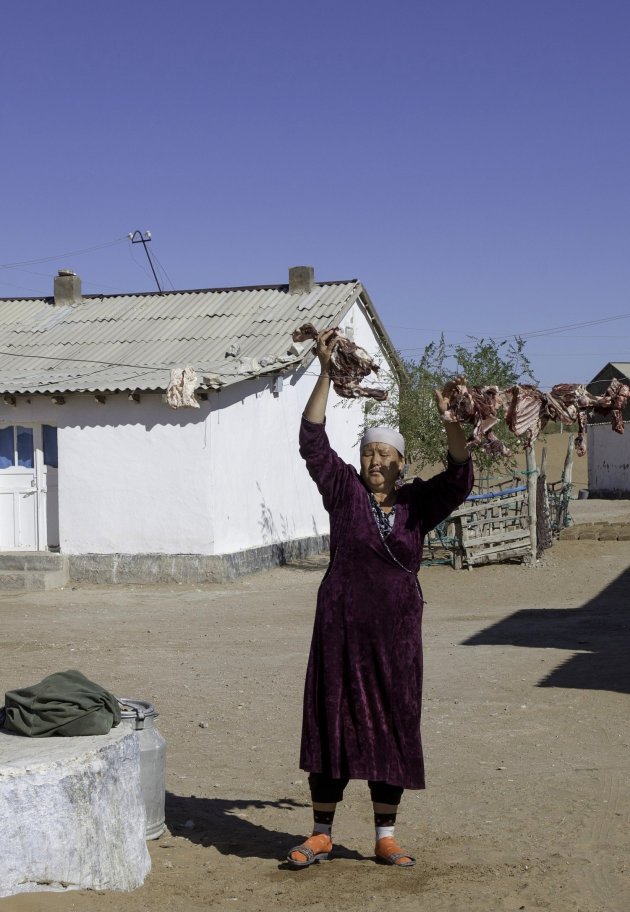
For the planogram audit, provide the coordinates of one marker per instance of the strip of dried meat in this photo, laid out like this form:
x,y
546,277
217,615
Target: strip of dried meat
x,y
349,365
479,406
527,410
613,403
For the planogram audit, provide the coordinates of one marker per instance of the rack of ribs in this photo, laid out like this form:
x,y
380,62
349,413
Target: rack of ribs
x,y
527,410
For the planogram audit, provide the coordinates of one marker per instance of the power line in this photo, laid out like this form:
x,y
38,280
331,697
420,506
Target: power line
x,y
567,327
216,366
58,256
168,278
21,287
145,368
551,354
51,275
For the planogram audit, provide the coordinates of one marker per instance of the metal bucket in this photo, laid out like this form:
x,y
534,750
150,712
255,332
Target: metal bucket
x,y
140,716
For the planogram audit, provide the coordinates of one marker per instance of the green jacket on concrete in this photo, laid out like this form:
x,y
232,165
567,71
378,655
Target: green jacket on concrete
x,y
64,703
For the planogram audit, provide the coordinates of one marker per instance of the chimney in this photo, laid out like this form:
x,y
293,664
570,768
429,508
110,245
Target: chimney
x,y
301,279
67,288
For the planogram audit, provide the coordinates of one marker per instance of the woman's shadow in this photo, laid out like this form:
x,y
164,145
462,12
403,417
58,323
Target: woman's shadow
x,y
221,823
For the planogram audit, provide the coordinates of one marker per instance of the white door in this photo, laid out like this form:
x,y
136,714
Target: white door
x,y
28,454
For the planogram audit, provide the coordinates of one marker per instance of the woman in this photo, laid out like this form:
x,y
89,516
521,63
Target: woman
x,y
362,696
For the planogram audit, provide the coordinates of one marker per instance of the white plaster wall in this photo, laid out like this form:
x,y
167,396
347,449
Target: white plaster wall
x,y
608,460
134,477
261,491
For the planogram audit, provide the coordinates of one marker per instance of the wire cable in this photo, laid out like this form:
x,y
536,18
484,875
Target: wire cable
x,y
567,327
58,256
168,278
51,275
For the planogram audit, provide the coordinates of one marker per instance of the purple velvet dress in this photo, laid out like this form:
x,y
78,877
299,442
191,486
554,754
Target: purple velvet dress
x,y
363,690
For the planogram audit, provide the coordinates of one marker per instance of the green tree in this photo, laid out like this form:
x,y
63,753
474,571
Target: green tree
x,y
411,405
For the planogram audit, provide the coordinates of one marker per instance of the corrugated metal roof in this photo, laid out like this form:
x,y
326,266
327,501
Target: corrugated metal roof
x,y
117,342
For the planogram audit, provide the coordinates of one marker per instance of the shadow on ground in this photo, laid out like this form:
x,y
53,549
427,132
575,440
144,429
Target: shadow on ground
x,y
599,631
220,822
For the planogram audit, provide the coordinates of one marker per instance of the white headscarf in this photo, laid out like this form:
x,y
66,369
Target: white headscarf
x,y
384,435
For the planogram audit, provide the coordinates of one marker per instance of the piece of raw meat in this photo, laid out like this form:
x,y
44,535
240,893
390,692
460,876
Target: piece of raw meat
x,y
349,365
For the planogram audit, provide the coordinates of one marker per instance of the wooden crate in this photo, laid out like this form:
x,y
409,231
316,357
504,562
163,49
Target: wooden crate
x,y
493,526
442,545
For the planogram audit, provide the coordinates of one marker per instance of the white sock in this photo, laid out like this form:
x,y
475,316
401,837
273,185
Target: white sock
x,y
384,831
325,828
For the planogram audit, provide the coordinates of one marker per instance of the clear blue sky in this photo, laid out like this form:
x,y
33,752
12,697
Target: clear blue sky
x,y
468,160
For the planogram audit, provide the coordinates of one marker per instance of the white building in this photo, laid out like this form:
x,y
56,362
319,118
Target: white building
x,y
96,465
608,452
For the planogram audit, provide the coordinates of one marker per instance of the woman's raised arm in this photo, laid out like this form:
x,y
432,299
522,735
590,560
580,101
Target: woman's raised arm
x,y
455,434
315,410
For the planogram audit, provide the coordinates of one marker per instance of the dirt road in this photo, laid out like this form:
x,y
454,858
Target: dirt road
x,y
525,730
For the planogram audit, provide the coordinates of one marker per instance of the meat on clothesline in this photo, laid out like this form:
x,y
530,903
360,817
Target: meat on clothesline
x,y
527,410
349,365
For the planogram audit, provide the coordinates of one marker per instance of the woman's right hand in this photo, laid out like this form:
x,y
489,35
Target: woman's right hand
x,y
327,341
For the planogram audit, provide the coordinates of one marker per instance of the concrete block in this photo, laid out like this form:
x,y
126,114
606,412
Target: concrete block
x,y
33,572
12,582
32,560
570,534
72,813
588,535
610,534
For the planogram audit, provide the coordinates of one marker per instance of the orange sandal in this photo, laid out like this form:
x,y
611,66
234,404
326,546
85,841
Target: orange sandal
x,y
316,848
388,851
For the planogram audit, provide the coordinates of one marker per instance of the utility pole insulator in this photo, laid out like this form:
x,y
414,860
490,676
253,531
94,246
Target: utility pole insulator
x,y
143,237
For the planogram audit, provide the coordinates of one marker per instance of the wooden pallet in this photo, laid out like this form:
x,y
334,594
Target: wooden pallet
x,y
493,527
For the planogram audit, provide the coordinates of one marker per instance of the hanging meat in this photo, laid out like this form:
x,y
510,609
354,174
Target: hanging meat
x,y
479,406
527,410
349,365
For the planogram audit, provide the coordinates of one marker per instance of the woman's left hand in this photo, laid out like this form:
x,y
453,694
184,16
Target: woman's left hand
x,y
443,406
441,402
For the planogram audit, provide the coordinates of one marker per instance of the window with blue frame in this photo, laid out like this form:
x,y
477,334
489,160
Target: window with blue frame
x,y
25,448
7,448
51,456
17,447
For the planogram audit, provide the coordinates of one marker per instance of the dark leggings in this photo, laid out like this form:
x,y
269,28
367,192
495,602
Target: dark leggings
x,y
326,790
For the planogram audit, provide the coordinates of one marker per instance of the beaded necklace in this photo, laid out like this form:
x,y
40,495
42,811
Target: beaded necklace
x,y
384,521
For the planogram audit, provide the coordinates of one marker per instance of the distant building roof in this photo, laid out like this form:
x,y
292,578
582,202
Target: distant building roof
x,y
618,369
600,382
105,343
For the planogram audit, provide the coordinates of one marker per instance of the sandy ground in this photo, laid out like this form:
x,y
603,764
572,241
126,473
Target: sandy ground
x,y
525,728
